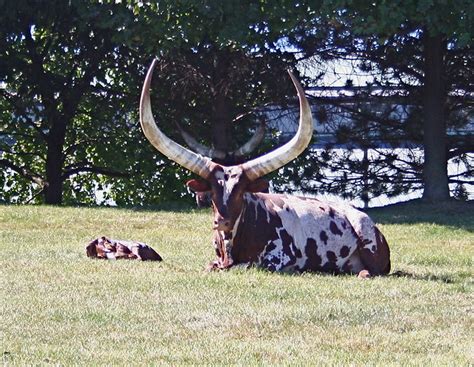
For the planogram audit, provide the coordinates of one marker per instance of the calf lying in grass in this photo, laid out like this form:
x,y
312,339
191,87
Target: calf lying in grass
x,y
106,248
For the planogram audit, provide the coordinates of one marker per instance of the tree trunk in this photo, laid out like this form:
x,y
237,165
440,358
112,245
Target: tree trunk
x,y
54,164
220,124
221,114
435,171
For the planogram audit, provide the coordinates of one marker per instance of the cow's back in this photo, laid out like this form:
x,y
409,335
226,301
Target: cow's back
x,y
286,233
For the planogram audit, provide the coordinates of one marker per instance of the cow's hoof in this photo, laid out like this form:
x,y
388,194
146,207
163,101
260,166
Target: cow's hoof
x,y
243,265
364,274
213,266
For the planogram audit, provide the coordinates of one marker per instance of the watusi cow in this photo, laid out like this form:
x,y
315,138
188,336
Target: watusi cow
x,y
277,232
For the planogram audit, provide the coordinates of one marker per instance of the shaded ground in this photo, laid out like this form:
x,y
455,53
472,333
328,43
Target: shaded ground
x,y
453,213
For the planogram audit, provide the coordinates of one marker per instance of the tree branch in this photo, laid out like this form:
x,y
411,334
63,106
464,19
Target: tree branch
x,y
23,154
461,182
459,151
98,170
15,102
24,172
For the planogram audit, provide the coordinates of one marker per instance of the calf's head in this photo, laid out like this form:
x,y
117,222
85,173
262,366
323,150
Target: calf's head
x,y
227,184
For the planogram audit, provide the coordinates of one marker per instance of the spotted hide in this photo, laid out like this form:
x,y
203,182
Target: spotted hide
x,y
291,233
106,248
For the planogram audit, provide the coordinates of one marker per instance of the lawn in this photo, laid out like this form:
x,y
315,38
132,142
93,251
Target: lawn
x,y
59,307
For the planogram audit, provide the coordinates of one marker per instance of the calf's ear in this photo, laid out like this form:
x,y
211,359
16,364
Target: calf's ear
x,y
259,185
91,249
198,185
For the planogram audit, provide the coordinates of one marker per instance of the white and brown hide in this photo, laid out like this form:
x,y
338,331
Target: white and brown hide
x,y
107,248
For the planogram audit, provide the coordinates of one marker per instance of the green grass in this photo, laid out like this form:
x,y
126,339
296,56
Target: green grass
x,y
59,307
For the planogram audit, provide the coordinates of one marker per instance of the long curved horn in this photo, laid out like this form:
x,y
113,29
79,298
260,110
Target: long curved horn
x,y
279,157
189,160
200,148
254,141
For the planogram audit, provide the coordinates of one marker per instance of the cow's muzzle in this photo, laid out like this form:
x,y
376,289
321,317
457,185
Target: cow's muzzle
x,y
222,224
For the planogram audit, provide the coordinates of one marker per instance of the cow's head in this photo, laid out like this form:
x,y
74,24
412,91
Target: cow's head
x,y
227,184
203,189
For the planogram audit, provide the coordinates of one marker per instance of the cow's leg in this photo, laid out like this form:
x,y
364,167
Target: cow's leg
x,y
277,256
374,253
218,244
212,266
372,248
271,263
222,243
354,264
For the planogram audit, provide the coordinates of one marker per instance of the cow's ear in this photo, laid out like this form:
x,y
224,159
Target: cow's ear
x,y
259,185
198,185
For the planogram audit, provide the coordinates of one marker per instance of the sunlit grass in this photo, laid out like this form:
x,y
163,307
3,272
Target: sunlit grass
x,y
59,307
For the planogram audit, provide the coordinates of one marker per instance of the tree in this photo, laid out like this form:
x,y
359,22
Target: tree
x,y
218,61
442,34
64,86
61,61
219,70
422,48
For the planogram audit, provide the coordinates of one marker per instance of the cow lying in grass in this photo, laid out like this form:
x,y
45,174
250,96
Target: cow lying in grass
x,y
276,232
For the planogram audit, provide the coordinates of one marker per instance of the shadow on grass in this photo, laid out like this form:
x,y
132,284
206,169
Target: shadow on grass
x,y
457,214
444,278
180,207
170,206
175,206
